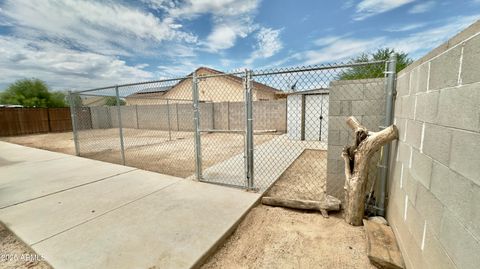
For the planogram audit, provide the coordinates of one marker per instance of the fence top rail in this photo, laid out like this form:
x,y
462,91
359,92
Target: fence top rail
x,y
312,68
134,97
159,81
133,84
239,73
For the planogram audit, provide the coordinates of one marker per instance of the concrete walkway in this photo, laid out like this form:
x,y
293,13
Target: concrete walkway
x,y
271,159
82,213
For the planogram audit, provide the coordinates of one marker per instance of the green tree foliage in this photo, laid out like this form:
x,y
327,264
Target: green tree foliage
x,y
77,100
32,93
112,101
374,71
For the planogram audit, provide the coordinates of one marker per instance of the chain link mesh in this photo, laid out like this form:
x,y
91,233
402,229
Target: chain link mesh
x,y
307,156
299,127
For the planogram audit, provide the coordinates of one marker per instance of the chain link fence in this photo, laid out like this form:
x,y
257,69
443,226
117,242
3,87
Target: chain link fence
x,y
245,129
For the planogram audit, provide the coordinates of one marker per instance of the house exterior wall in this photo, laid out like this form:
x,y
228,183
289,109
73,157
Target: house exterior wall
x,y
210,89
145,99
434,184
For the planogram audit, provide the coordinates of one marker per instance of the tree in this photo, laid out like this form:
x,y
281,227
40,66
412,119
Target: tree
x,y
112,101
374,71
32,93
77,100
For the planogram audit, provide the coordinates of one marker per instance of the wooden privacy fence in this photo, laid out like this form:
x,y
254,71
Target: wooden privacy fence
x,y
21,121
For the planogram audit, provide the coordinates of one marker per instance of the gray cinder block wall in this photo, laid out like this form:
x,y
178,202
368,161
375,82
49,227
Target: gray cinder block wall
x,y
434,185
364,99
268,115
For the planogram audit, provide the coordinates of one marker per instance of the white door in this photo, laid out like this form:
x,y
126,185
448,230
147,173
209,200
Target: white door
x,y
316,117
294,116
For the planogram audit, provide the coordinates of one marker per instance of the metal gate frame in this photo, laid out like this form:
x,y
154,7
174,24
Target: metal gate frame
x,y
248,130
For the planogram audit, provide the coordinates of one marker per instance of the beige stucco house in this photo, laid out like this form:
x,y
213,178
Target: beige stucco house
x,y
215,89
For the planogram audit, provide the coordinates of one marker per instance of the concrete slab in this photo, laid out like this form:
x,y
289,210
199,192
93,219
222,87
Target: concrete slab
x,y
27,180
271,159
12,154
173,228
81,213
39,219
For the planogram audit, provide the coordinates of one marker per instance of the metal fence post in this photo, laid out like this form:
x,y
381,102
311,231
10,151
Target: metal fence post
x,y
168,119
120,129
249,129
390,97
73,116
136,115
196,127
176,116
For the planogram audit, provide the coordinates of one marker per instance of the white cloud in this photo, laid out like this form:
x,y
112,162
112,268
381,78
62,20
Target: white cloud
x,y
232,19
348,4
422,7
327,40
105,27
68,69
224,8
419,43
268,44
405,27
222,37
78,44
339,48
368,8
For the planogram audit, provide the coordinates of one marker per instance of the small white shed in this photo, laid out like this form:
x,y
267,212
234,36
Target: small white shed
x,y
307,115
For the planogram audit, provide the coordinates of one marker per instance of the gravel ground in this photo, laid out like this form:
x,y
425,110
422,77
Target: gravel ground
x,y
16,254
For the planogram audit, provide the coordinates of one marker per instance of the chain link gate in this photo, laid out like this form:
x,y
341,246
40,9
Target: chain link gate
x,y
245,129
223,106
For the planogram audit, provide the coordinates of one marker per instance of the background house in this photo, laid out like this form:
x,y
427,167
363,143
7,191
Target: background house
x,y
147,96
222,88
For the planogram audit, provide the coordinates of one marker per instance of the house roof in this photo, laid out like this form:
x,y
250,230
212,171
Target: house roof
x,y
164,89
93,100
161,89
256,85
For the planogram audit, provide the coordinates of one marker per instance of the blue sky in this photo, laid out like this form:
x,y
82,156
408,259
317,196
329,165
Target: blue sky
x,y
74,44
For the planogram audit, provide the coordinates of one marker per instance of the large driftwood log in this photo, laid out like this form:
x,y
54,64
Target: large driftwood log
x,y
329,203
357,158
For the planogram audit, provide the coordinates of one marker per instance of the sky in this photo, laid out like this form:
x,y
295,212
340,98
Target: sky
x,y
77,45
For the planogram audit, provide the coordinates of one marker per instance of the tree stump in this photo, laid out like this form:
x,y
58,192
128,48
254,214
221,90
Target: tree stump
x,y
357,158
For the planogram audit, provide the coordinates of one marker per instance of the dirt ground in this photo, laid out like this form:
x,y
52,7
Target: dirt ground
x,y
304,179
59,142
151,150
274,237
15,254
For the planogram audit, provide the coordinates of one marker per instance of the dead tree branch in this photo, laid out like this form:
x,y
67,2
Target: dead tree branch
x,y
357,158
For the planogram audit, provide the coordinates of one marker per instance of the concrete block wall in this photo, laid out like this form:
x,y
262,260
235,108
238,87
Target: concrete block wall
x,y
364,99
434,184
268,115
